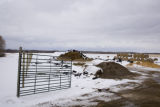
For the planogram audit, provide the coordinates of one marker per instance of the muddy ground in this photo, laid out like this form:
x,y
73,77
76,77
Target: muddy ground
x,y
142,94
146,94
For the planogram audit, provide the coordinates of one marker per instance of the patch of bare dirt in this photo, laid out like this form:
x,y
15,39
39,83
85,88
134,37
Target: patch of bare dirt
x,y
146,95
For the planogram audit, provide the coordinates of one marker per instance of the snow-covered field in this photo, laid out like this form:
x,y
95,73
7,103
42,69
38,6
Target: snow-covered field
x,y
66,97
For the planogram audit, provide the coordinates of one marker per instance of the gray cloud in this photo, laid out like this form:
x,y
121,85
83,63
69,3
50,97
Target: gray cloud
x,y
108,25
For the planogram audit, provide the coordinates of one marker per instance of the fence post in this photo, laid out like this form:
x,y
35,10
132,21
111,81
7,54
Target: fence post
x,y
70,75
23,69
19,71
61,72
27,64
35,75
50,74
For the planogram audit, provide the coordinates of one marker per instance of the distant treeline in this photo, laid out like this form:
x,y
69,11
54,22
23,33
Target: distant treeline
x,y
34,51
89,52
100,52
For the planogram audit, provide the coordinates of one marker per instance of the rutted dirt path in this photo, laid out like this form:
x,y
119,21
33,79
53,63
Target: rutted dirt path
x,y
147,94
132,94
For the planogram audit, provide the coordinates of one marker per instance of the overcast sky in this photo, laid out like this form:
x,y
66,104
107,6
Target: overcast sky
x,y
104,25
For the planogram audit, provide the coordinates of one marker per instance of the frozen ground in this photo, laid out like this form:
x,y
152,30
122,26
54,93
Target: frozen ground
x,y
83,89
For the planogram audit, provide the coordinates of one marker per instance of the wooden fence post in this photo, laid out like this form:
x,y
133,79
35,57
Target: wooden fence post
x,y
23,69
70,75
19,71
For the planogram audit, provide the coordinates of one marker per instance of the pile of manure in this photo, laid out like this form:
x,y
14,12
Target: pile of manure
x,y
74,55
113,70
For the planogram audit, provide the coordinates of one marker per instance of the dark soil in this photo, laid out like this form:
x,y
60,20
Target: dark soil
x,y
146,95
114,70
74,55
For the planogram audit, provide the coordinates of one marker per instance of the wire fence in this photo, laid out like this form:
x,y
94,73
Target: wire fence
x,y
39,73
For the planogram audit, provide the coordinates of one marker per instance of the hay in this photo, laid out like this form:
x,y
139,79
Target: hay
x,y
79,64
113,70
148,64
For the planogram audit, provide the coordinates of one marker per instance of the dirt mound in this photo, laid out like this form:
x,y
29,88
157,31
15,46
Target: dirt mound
x,y
113,70
73,55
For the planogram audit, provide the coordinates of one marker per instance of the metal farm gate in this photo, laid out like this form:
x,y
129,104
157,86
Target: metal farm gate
x,y
39,73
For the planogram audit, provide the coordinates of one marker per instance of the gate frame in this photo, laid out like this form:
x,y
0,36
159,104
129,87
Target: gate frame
x,y
20,71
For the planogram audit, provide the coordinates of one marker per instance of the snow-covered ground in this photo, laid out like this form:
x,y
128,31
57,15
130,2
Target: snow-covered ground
x,y
66,97
157,62
101,56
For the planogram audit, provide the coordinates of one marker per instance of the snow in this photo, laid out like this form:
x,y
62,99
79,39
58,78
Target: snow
x,y
101,56
57,53
79,69
157,62
97,61
8,79
80,86
92,69
124,63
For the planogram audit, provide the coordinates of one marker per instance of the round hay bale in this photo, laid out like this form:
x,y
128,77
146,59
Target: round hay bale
x,y
113,70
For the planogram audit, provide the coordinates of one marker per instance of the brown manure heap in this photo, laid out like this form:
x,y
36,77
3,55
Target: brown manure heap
x,y
113,70
74,55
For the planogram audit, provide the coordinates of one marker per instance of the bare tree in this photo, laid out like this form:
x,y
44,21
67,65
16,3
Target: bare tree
x,y
2,46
